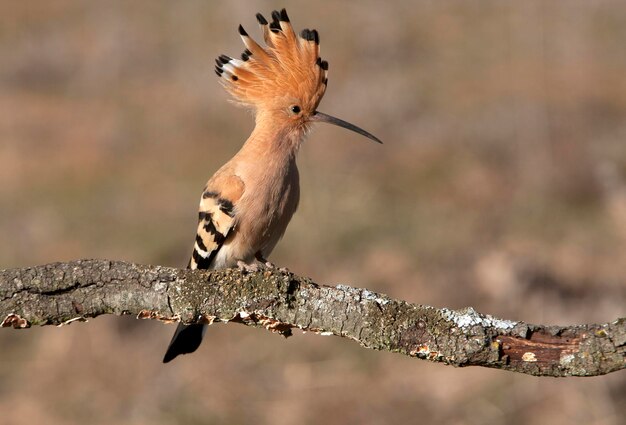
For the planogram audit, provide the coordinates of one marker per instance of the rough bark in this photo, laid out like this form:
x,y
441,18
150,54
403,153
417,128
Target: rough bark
x,y
280,301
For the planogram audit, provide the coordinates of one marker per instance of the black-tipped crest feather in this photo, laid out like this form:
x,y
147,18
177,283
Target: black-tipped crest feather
x,y
276,16
284,67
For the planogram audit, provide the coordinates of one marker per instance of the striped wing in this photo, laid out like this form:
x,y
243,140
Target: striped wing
x,y
216,220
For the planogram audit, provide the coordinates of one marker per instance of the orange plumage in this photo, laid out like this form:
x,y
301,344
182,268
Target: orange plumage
x,y
287,71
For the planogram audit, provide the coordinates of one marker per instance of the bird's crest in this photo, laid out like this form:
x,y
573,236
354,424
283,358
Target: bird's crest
x,y
289,67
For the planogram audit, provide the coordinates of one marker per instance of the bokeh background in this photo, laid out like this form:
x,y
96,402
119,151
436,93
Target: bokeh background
x,y
501,185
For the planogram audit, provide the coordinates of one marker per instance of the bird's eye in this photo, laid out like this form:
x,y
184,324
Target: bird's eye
x,y
295,109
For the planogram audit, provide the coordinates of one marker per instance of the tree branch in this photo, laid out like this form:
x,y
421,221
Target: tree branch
x,y
279,301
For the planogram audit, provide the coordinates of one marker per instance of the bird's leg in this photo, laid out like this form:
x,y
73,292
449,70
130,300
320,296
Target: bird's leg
x,y
268,264
259,257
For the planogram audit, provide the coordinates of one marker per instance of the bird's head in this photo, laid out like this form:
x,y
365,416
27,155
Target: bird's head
x,y
285,80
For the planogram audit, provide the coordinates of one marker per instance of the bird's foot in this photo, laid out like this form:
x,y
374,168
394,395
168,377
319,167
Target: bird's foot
x,y
253,267
259,265
271,266
259,259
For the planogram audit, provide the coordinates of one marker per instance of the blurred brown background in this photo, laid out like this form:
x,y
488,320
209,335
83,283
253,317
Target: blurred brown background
x,y
501,185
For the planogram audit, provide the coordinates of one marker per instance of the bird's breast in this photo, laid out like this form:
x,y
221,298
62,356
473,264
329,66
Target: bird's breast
x,y
270,199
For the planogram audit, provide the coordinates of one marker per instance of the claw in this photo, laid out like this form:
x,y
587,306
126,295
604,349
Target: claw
x,y
250,268
259,264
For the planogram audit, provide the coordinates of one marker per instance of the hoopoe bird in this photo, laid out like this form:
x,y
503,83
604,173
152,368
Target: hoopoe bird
x,y
246,206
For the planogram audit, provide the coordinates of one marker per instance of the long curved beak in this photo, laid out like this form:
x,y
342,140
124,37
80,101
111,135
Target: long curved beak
x,y
321,117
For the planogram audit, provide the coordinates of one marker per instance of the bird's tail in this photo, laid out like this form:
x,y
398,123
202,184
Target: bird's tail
x,y
186,339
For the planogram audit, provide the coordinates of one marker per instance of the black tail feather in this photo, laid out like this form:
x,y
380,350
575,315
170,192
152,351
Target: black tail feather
x,y
186,339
